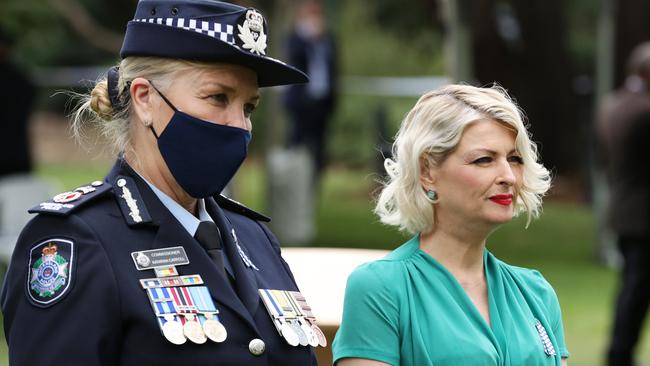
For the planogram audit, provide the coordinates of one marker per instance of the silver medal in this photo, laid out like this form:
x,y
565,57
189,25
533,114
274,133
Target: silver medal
x,y
289,334
214,329
173,331
193,330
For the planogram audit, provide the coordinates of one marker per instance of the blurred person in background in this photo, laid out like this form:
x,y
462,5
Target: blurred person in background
x,y
152,266
16,100
624,132
464,164
312,48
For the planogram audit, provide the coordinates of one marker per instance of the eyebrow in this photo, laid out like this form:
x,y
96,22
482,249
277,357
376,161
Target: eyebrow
x,y
491,152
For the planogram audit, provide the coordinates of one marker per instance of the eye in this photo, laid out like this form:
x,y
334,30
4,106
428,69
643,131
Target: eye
x,y
516,159
249,108
219,98
482,160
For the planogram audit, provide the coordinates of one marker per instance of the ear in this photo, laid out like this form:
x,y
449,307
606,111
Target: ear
x,y
141,99
427,172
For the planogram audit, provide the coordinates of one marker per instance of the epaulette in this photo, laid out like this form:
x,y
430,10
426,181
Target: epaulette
x,y
131,203
232,205
65,203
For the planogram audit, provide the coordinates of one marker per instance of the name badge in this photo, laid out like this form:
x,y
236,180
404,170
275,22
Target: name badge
x,y
164,257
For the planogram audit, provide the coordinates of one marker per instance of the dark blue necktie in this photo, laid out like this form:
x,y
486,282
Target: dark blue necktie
x,y
208,235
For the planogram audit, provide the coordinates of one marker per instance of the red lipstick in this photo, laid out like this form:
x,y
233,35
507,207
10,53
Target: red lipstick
x,y
502,199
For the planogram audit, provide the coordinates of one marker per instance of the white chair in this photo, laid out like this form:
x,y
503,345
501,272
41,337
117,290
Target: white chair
x,y
18,193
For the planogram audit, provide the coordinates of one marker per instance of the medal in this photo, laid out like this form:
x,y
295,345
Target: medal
x,y
173,330
298,300
212,327
292,317
278,318
293,313
311,336
176,297
163,305
214,330
193,330
302,337
322,341
304,315
185,306
289,335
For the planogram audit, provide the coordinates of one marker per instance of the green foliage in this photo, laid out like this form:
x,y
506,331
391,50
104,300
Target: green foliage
x,y
370,47
354,137
35,27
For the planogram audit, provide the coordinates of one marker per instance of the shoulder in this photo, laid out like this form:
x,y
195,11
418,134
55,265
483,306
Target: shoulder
x,y
531,277
228,204
532,281
379,277
65,203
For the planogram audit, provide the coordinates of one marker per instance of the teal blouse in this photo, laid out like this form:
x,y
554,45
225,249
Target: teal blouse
x,y
407,309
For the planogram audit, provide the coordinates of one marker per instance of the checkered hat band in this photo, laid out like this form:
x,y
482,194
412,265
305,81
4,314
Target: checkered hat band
x,y
223,32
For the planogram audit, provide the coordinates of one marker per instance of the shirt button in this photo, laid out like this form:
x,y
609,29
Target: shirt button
x,y
256,347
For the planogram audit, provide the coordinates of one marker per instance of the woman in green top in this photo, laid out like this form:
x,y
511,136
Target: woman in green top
x,y
463,165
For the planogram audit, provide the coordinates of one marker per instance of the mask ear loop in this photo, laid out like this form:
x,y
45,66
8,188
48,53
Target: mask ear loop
x,y
166,101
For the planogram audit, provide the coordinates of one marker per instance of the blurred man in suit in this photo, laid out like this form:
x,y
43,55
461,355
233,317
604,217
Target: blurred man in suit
x,y
312,48
624,133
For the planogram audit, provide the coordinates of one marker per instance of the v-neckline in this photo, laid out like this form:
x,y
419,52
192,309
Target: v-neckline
x,y
465,297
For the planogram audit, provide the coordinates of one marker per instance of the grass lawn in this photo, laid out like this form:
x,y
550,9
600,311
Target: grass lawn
x,y
559,244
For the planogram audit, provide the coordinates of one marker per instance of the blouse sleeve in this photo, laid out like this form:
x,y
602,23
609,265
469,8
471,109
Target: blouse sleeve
x,y
369,328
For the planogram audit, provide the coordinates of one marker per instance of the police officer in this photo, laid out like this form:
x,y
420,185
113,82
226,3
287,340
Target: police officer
x,y
152,266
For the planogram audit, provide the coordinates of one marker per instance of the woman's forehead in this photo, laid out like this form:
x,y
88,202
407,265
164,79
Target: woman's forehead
x,y
488,133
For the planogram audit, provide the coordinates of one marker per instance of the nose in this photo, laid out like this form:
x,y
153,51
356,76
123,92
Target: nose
x,y
506,174
235,117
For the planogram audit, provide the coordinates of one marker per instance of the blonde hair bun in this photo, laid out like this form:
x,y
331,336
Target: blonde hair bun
x,y
100,102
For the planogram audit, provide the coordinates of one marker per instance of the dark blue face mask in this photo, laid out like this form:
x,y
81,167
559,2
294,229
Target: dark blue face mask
x,y
202,156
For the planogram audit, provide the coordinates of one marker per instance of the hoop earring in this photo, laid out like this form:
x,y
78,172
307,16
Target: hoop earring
x,y
432,195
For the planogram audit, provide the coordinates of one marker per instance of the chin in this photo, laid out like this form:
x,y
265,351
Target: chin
x,y
501,217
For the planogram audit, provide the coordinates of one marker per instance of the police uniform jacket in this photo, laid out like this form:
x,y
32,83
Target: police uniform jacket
x,y
102,315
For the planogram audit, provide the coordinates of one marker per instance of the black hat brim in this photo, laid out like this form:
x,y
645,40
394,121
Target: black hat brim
x,y
157,40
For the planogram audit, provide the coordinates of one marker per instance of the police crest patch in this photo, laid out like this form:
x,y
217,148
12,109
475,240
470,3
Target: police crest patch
x,y
50,271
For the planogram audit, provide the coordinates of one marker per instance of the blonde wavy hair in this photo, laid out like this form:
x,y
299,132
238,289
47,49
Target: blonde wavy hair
x,y
433,128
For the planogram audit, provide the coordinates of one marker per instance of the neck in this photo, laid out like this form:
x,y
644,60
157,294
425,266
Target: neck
x,y
150,165
459,251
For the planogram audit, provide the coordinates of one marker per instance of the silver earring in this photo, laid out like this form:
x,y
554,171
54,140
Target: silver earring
x,y
432,195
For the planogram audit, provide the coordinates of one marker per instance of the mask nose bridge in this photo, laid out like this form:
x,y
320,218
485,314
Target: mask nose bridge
x,y
235,116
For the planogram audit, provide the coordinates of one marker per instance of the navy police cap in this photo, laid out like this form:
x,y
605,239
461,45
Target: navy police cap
x,y
206,30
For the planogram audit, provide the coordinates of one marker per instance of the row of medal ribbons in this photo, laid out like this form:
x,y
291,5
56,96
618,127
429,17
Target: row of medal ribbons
x,y
184,309
293,318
